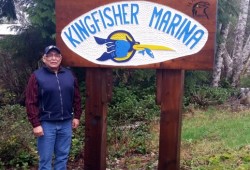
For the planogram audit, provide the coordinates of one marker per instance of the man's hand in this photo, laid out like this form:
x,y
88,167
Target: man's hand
x,y
75,123
38,131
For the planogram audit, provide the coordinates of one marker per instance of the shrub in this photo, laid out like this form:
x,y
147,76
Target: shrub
x,y
245,81
205,96
195,79
7,98
16,140
77,142
126,107
17,143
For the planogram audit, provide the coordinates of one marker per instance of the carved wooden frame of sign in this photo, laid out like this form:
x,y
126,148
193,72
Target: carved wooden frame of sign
x,y
169,36
156,34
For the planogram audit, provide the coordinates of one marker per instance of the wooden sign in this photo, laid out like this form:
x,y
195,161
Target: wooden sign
x,y
158,34
168,35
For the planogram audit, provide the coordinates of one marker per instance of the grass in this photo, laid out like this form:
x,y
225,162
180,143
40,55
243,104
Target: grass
x,y
215,139
231,129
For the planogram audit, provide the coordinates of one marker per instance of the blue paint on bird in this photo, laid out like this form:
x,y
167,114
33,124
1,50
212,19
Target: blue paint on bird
x,y
115,48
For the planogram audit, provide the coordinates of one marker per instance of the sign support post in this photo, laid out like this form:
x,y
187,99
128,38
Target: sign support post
x,y
169,97
98,94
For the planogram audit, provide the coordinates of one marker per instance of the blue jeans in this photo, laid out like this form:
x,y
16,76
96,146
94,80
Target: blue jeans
x,y
56,140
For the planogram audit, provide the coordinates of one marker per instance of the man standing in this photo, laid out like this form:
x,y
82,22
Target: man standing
x,y
53,105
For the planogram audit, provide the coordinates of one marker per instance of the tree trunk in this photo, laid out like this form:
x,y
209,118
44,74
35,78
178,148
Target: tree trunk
x,y
21,14
220,51
239,39
246,57
228,65
246,67
246,50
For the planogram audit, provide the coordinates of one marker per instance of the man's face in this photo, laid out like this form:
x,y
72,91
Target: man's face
x,y
52,60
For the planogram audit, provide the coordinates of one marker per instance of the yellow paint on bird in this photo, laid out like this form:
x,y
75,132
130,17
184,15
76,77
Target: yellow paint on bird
x,y
151,47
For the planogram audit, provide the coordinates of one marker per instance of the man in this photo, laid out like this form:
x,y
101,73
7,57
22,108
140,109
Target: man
x,y
53,106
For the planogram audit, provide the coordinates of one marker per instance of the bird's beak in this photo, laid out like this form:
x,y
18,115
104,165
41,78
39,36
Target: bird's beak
x,y
151,47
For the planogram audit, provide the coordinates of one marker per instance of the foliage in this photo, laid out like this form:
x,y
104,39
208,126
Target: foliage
x,y
130,114
19,59
133,96
225,83
77,142
130,140
227,9
198,92
228,12
16,140
140,82
42,17
17,143
126,107
7,98
208,96
245,81
194,79
7,10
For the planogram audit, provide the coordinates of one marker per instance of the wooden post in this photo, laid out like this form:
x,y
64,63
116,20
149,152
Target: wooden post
x,y
169,97
98,94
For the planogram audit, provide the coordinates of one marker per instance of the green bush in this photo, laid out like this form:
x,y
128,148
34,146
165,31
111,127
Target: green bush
x,y
77,144
16,140
206,96
245,81
7,98
195,79
199,93
126,107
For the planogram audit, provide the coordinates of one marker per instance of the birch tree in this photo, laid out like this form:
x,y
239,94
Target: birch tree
x,y
227,11
220,52
239,42
232,60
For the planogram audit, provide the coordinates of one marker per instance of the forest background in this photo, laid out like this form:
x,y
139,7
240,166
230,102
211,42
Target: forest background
x,y
133,103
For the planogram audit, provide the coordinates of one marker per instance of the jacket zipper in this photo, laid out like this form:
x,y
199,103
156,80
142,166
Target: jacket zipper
x,y
60,93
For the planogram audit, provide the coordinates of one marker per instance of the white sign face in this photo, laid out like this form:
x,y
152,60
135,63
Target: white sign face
x,y
132,33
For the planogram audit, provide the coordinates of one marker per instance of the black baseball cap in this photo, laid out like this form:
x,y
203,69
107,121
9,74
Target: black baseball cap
x,y
51,47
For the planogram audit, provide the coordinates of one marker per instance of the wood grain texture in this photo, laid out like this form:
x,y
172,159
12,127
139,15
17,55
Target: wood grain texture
x,y
171,89
98,89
